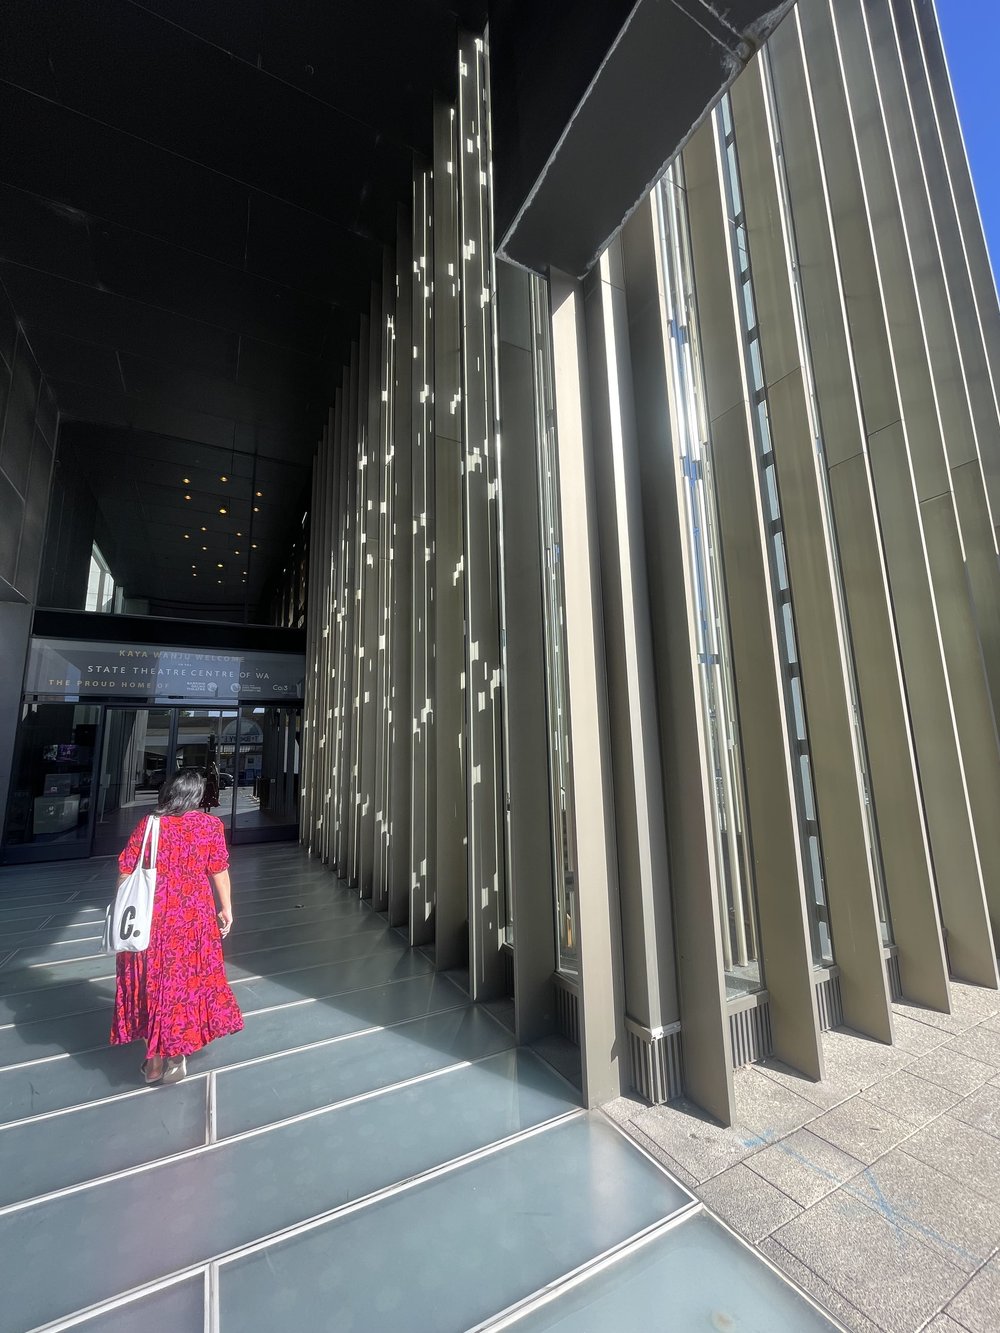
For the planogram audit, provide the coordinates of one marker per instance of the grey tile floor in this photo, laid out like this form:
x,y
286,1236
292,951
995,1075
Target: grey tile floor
x,y
372,1152
878,1190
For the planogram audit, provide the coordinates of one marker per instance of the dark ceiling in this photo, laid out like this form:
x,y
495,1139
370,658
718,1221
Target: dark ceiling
x,y
194,197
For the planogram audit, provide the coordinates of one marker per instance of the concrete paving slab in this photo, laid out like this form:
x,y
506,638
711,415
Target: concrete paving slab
x,y
768,1107
973,1003
856,1062
953,1070
976,1308
978,1044
804,1166
750,1205
916,1037
824,1093
967,1155
959,1225
981,1110
702,1147
932,1018
849,1315
943,1324
912,1099
875,1264
861,1128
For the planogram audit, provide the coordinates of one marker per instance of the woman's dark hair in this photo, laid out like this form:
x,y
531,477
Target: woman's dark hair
x,y
181,792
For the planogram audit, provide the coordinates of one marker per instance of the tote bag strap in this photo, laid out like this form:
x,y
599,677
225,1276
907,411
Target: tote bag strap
x,y
154,844
151,839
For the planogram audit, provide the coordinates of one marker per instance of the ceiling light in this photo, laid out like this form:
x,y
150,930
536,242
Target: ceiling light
x,y
223,509
244,579
194,576
223,478
194,566
204,529
220,565
220,580
256,509
187,536
204,548
187,481
236,553
187,497
239,534
253,546
259,494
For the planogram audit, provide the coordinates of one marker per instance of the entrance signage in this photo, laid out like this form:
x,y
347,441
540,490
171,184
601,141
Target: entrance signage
x,y
75,669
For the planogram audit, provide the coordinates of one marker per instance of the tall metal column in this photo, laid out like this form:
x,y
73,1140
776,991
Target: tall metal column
x,y
450,869
602,1015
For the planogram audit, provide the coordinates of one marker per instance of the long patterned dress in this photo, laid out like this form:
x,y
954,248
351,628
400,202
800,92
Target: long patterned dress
x,y
175,995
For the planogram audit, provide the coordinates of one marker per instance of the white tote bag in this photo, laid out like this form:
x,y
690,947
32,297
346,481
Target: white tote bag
x,y
129,917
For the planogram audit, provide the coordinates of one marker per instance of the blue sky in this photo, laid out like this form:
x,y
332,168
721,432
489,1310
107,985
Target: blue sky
x,y
971,31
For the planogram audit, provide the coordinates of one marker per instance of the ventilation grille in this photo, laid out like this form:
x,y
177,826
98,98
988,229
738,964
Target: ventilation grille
x,y
831,1012
567,1009
507,954
655,1068
750,1033
892,972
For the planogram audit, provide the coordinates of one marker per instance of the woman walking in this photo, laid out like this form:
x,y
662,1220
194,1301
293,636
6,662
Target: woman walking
x,y
174,995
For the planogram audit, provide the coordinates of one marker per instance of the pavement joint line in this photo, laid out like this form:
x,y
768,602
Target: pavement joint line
x,y
187,1154
299,1228
543,1296
85,958
237,981
110,976
79,1317
225,1069
82,939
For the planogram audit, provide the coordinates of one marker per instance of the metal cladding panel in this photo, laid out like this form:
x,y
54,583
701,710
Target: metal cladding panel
x,y
822,633
647,930
694,890
777,851
422,812
864,271
487,871
450,867
600,983
902,829
941,763
531,861
400,604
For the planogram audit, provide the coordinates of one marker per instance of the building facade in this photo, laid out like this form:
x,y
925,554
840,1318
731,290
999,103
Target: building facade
x,y
654,614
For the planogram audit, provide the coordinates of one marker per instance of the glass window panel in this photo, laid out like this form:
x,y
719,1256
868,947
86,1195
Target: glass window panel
x,y
264,768
49,806
780,568
791,650
756,369
749,313
798,712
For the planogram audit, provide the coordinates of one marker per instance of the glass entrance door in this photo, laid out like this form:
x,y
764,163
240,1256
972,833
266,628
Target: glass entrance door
x,y
85,774
134,752
266,769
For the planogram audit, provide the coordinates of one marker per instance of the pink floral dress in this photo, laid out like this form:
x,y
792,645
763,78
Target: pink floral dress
x,y
175,995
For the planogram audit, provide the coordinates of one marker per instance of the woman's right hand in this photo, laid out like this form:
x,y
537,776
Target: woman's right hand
x,y
225,921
